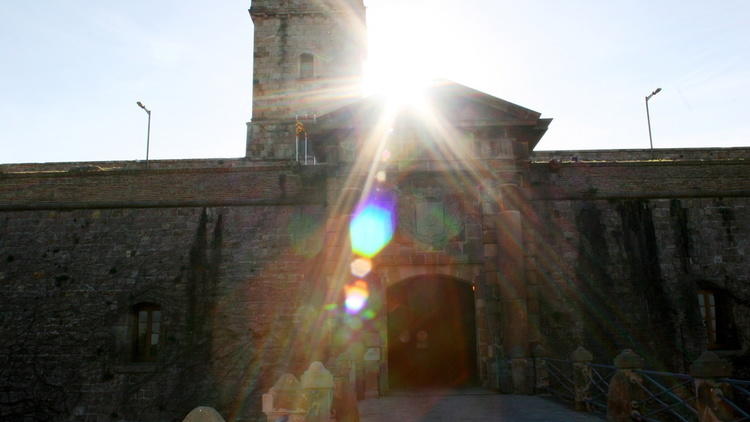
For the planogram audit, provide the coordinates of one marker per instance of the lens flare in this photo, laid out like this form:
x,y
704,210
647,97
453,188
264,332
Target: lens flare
x,y
380,176
386,155
305,234
361,267
371,228
354,323
356,296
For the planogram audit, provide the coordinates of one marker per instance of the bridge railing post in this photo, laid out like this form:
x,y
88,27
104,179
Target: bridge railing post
x,y
625,390
317,388
582,377
344,393
710,392
284,399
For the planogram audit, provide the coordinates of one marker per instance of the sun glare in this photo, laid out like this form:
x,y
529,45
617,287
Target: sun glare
x,y
401,61
399,89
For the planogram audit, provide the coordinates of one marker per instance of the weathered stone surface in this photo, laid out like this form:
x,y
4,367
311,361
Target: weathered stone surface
x,y
710,401
316,376
334,35
317,383
287,393
581,355
203,414
623,396
628,359
709,365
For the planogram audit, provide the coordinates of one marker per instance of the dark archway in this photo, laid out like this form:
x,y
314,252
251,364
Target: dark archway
x,y
431,333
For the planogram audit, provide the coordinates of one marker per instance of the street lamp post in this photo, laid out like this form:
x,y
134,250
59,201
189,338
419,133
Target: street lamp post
x,y
148,132
648,117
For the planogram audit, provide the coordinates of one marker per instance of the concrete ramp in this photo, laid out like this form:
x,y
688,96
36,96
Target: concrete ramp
x,y
473,405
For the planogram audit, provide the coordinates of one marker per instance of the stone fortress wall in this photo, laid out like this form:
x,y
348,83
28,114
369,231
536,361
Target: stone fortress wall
x,y
615,253
627,239
219,249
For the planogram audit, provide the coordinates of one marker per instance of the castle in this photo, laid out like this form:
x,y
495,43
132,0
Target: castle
x,y
133,293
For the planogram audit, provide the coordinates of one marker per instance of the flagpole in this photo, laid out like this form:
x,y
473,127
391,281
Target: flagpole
x,y
296,139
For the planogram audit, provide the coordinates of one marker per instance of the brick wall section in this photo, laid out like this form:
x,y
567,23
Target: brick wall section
x,y
620,250
69,281
623,248
82,166
668,154
229,280
161,187
225,251
640,179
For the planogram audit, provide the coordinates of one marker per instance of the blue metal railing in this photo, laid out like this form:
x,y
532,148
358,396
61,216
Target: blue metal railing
x,y
561,383
668,396
740,401
599,387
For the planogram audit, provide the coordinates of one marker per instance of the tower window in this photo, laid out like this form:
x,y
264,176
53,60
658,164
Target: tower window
x,y
306,66
146,332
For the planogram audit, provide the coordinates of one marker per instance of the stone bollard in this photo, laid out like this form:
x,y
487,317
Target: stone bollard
x,y
357,352
284,399
541,373
344,393
203,414
582,377
317,387
706,371
624,388
371,365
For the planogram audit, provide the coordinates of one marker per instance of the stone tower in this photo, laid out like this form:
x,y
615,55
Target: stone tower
x,y
307,60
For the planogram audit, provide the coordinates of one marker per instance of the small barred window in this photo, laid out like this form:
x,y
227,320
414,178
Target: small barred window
x,y
147,332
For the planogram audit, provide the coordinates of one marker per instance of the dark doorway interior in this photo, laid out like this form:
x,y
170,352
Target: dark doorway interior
x,y
431,334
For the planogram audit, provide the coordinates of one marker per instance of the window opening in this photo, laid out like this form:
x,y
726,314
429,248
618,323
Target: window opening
x,y
147,332
717,319
306,66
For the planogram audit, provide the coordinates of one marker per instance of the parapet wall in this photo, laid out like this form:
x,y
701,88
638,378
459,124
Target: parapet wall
x,y
646,179
165,184
670,154
82,166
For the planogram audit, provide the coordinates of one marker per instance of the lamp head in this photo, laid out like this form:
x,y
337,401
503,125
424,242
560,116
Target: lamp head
x,y
656,91
140,104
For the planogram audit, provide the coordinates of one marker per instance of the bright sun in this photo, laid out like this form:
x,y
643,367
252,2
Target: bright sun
x,y
398,88
401,64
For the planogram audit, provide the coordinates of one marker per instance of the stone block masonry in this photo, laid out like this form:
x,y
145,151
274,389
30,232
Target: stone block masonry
x,y
271,184
624,248
79,251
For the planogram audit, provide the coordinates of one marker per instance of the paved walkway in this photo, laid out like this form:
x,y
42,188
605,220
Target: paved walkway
x,y
467,406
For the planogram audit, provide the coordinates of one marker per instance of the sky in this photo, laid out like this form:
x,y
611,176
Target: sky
x,y
71,71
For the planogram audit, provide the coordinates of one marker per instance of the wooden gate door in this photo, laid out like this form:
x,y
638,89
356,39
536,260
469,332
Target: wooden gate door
x,y
431,333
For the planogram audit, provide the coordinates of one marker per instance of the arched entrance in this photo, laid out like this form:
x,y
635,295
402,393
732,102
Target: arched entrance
x,y
431,333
